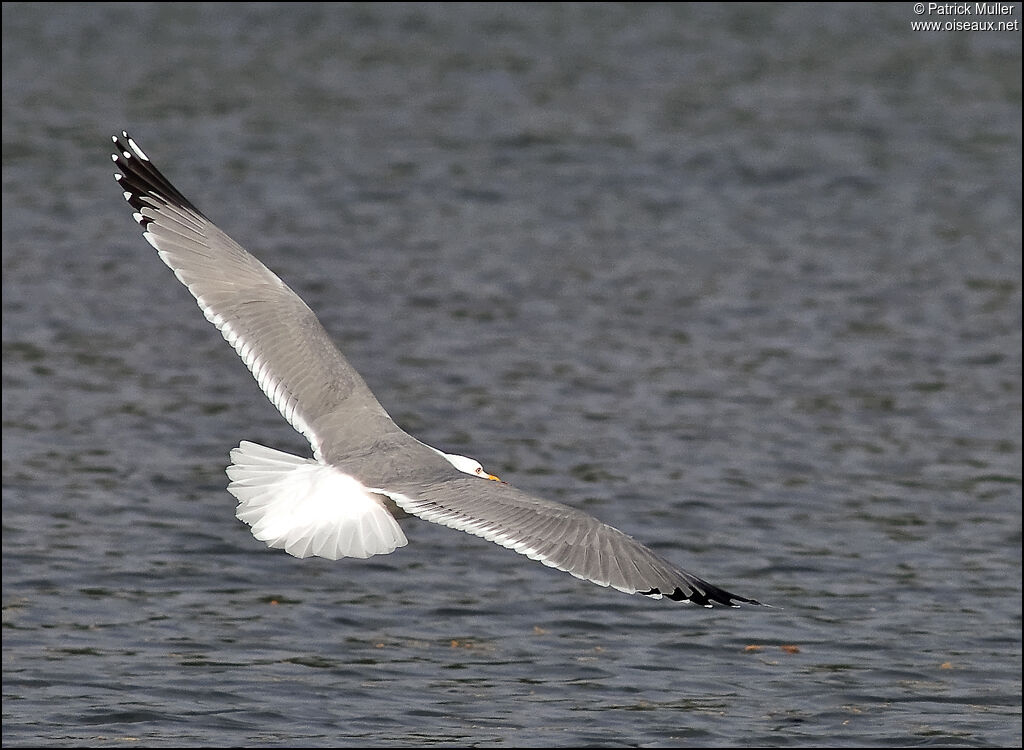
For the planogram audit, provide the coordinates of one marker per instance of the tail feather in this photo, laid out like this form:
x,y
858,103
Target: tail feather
x,y
308,508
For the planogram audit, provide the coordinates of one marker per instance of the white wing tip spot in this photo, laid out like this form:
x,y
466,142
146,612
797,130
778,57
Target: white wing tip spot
x,y
135,147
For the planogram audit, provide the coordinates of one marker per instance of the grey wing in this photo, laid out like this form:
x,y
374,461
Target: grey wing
x,y
556,535
274,332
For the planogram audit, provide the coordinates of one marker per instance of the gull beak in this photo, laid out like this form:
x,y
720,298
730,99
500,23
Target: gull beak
x,y
496,479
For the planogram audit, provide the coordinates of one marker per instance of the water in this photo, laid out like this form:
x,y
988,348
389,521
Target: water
x,y
742,281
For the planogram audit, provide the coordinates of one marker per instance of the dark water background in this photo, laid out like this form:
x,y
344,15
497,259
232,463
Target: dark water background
x,y
744,281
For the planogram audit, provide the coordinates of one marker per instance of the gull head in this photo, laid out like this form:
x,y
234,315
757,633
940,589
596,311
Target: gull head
x,y
469,466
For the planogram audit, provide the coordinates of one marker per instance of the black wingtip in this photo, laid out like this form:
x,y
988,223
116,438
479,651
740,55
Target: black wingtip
x,y
705,596
141,180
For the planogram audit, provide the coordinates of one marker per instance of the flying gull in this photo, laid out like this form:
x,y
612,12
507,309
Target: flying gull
x,y
365,471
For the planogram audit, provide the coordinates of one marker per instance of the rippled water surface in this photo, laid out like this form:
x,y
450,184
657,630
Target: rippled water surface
x,y
744,281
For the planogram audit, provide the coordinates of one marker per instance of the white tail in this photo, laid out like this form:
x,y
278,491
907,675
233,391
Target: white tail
x,y
308,508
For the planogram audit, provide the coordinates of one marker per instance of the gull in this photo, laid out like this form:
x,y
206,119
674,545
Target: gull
x,y
366,472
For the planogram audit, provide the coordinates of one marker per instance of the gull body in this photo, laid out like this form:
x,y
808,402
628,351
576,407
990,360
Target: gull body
x,y
365,472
